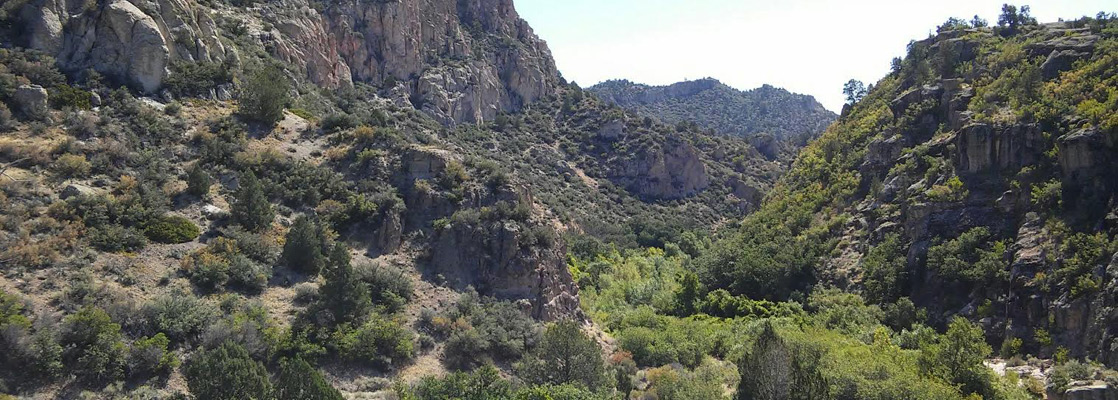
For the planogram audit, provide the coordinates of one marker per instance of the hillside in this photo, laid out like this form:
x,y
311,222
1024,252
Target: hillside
x,y
976,180
787,117
403,199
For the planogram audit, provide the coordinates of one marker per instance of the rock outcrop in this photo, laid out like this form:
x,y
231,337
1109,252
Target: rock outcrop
x,y
31,100
458,61
671,170
132,41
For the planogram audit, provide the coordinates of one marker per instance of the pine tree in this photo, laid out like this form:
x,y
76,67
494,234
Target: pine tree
x,y
299,380
252,209
303,249
343,295
264,95
565,355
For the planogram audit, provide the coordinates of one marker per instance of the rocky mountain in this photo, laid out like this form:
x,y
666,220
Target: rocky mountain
x,y
458,61
976,180
785,116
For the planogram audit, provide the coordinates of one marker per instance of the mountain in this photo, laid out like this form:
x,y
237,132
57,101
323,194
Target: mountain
x,y
976,180
713,105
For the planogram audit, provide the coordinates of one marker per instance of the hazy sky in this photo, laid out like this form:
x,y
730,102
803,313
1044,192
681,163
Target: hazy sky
x,y
806,46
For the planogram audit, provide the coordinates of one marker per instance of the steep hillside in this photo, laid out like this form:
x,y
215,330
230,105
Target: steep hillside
x,y
976,180
786,116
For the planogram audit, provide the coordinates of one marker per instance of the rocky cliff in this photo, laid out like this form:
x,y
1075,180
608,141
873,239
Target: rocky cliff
x,y
975,183
458,61
713,105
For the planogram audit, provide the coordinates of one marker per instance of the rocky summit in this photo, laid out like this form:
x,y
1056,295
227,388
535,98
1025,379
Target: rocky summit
x,y
404,199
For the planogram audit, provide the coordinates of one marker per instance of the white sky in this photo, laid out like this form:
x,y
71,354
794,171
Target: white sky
x,y
805,46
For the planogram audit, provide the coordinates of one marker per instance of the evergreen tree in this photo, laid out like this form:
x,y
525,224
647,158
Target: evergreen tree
x,y
344,296
252,209
198,181
93,344
688,295
565,355
303,248
227,372
264,95
777,370
299,380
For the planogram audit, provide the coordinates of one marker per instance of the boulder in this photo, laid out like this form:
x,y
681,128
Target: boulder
x,y
211,211
77,190
31,100
426,162
1081,151
1086,390
670,171
1060,61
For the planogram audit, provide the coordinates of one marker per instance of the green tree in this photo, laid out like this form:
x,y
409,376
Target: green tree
x,y
1012,18
198,181
344,296
93,346
264,95
227,372
885,271
688,295
854,90
303,249
957,356
252,209
565,355
299,380
778,370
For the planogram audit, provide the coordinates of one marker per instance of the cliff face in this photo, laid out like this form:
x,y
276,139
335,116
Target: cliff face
x,y
458,61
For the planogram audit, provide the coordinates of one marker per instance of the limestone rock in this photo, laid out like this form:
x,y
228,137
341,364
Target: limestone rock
x,y
1086,390
611,130
982,147
213,212
31,100
1060,61
1081,151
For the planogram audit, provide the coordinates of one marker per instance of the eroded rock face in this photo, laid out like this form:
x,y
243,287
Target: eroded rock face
x,y
461,61
133,41
672,170
983,147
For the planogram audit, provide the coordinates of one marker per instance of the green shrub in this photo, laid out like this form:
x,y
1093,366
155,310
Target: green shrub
x,y
94,348
197,78
116,238
70,166
149,356
465,350
227,372
388,287
380,342
198,181
172,229
221,262
264,95
342,295
299,380
65,96
181,316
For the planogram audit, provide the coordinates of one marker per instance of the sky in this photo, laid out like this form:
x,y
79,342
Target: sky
x,y
806,46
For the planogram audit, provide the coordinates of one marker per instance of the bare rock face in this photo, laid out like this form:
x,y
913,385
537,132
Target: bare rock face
x,y
461,61
134,41
1086,390
982,147
672,170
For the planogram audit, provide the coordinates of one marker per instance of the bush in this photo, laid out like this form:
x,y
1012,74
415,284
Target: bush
x,y
149,356
464,349
172,229
264,95
181,316
115,238
197,78
299,380
65,96
388,287
343,295
380,342
198,181
94,350
227,372
221,263
70,166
